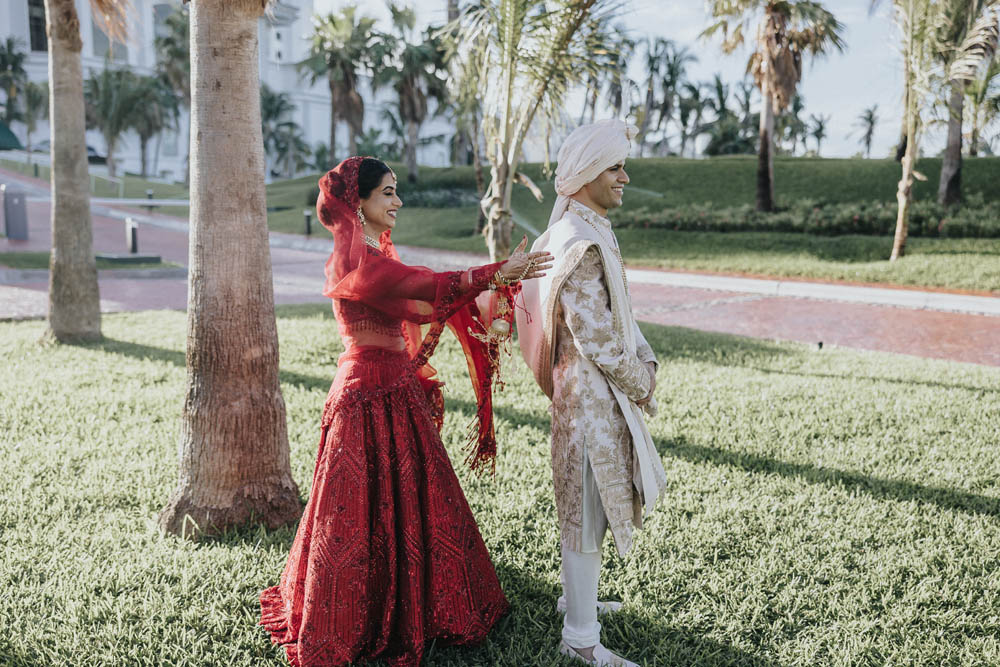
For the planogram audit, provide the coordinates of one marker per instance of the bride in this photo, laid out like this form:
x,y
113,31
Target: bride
x,y
387,556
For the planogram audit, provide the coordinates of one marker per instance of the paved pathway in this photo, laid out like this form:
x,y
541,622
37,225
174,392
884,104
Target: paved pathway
x,y
936,324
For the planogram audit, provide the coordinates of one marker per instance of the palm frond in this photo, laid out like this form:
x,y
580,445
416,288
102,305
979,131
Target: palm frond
x,y
978,46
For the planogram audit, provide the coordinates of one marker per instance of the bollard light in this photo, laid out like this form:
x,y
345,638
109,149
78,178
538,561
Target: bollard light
x,y
308,215
132,235
149,195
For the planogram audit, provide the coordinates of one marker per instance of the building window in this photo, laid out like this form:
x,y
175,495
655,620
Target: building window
x,y
102,45
160,14
36,25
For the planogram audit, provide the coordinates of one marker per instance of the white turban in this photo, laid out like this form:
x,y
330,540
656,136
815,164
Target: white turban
x,y
587,151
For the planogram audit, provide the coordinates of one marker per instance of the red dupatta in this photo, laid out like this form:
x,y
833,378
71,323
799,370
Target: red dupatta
x,y
417,295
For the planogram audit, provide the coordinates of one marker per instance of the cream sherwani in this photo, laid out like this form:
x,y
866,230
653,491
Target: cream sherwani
x,y
589,356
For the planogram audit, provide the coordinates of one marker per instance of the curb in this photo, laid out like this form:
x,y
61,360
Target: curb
x,y
903,298
14,276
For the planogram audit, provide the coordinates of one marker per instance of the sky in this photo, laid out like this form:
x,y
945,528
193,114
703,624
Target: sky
x,y
840,85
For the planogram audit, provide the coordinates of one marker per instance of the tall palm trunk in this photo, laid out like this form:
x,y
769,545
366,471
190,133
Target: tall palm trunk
x,y
974,140
333,120
904,191
112,171
647,113
477,168
74,299
234,463
765,154
412,129
144,161
950,186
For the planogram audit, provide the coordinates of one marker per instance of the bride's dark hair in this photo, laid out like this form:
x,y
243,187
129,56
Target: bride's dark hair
x,y
370,174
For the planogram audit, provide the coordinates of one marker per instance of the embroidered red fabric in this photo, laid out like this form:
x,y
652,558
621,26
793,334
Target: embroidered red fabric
x,y
387,556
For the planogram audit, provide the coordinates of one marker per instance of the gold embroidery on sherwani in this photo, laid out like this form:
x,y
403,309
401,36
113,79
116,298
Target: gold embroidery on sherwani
x,y
586,415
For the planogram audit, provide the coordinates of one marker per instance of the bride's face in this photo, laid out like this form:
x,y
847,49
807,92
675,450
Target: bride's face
x,y
381,206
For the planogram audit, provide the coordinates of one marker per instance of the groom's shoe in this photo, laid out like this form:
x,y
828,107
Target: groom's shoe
x,y
602,656
603,606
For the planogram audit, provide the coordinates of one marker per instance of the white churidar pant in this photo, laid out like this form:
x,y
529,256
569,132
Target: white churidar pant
x,y
582,569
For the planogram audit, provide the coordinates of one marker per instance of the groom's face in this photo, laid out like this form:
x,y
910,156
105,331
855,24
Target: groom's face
x,y
607,189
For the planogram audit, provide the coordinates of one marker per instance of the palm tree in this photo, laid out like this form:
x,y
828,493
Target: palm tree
x,y
866,123
621,55
915,19
74,296
983,103
157,108
173,61
696,103
36,107
787,30
13,76
529,52
234,457
966,36
112,98
817,129
789,126
282,137
656,50
601,36
340,53
417,75
673,73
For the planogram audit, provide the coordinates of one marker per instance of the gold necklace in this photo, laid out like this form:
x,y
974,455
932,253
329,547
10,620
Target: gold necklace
x,y
586,213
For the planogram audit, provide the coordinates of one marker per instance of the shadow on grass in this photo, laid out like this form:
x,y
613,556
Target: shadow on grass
x,y
530,633
141,351
890,489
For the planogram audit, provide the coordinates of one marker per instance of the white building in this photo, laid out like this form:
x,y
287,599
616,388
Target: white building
x,y
283,42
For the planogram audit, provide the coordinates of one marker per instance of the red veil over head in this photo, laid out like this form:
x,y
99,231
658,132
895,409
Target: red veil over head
x,y
415,294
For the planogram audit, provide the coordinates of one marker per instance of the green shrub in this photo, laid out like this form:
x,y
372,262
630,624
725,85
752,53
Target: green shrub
x,y
975,219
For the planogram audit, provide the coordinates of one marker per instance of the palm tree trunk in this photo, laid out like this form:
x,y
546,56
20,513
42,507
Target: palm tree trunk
x,y
332,156
352,142
647,112
950,186
974,140
477,167
74,298
499,220
234,462
765,154
412,130
904,191
143,141
111,158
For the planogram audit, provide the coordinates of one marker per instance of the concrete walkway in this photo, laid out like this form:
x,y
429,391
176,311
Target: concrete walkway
x,y
937,324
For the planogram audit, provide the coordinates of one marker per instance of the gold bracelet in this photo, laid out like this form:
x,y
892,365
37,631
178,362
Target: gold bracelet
x,y
499,280
527,269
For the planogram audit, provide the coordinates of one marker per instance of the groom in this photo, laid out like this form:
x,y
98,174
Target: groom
x,y
589,357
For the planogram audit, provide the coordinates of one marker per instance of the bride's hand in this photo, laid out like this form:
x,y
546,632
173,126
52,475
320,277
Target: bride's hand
x,y
525,266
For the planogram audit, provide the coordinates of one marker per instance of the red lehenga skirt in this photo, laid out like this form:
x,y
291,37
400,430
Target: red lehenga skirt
x,y
387,556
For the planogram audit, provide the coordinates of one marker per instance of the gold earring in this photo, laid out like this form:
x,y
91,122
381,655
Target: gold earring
x,y
361,217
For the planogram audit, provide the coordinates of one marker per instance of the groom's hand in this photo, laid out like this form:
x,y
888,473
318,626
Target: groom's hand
x,y
651,367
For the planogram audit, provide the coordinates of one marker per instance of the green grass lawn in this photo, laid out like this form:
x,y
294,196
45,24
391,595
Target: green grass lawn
x,y
40,260
822,508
